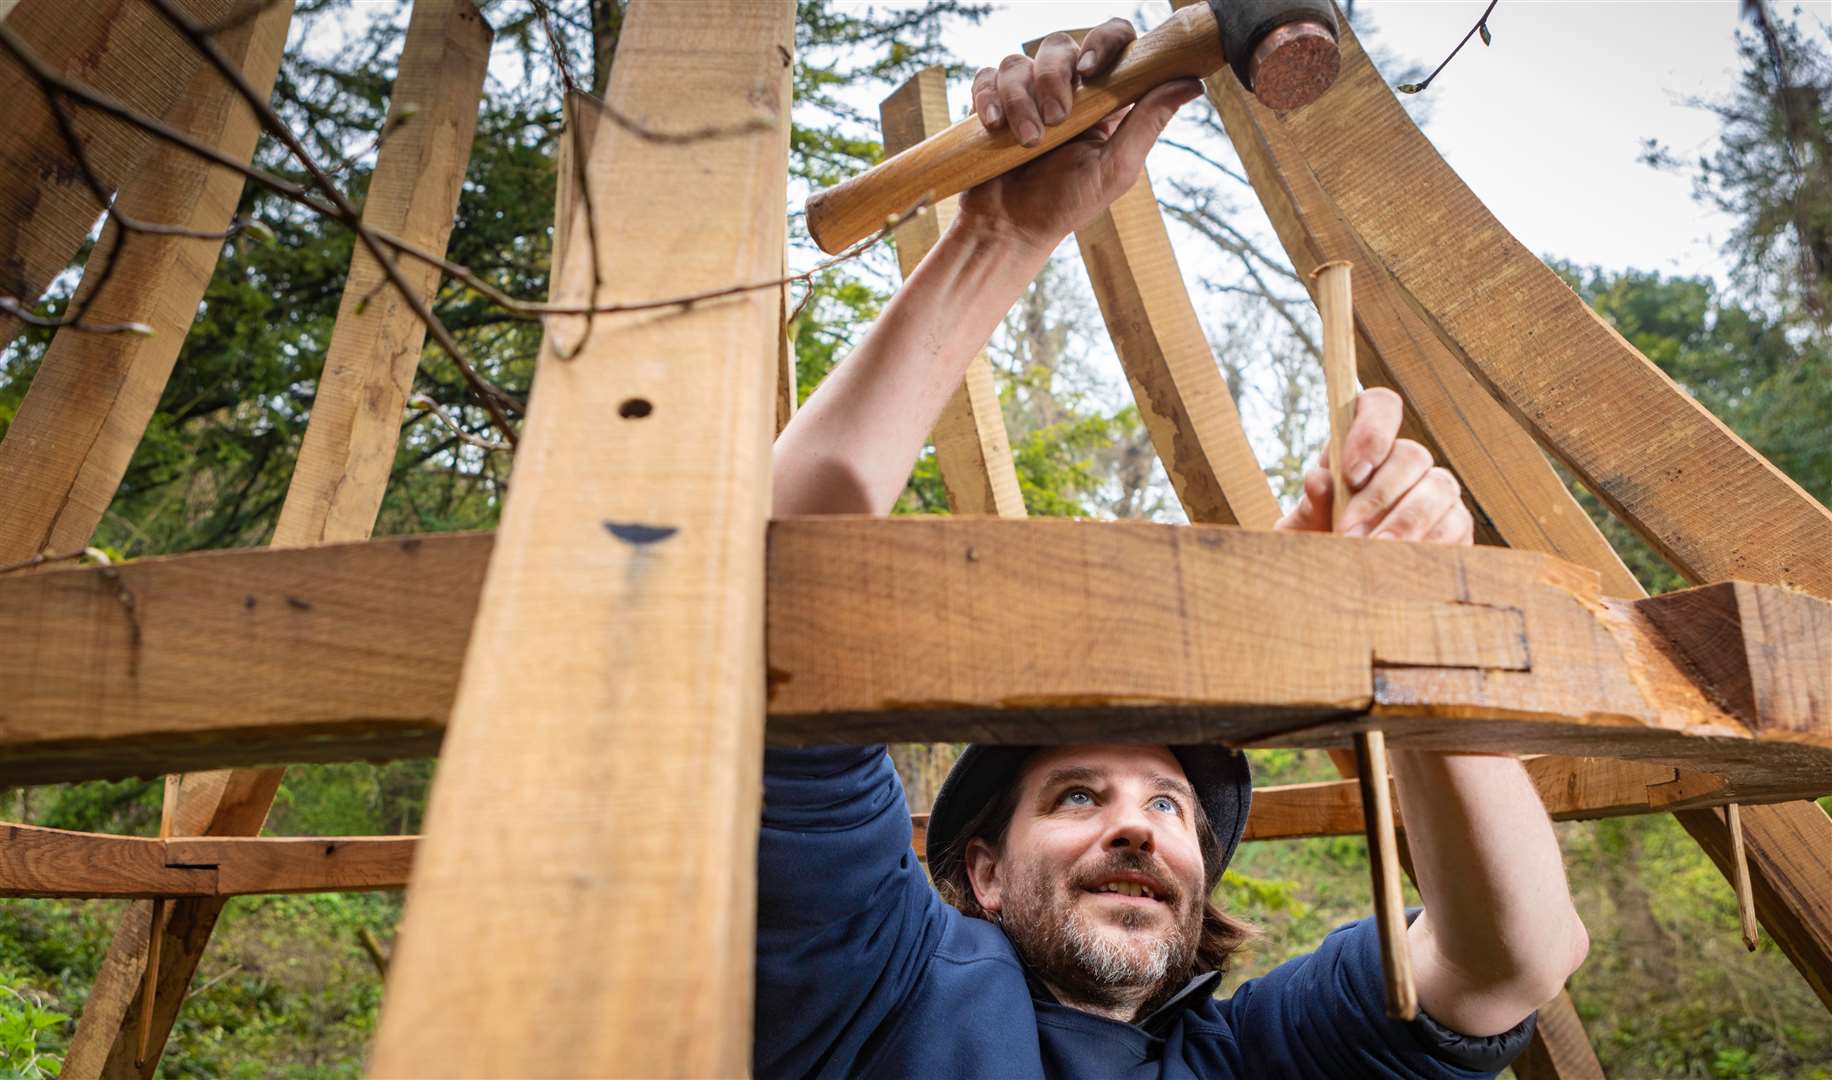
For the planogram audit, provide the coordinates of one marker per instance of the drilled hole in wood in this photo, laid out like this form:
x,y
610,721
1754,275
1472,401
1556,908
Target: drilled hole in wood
x,y
635,409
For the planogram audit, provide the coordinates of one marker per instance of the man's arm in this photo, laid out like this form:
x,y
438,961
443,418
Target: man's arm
x,y
851,446
1499,934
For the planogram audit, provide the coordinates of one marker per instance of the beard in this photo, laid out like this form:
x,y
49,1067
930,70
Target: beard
x,y
1103,961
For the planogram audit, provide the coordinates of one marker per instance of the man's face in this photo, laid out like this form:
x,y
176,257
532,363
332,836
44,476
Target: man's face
x,y
1099,883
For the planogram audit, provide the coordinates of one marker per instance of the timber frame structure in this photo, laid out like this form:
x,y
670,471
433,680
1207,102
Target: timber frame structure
x,y
611,654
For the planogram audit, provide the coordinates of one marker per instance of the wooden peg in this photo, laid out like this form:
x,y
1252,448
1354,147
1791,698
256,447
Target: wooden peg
x,y
156,930
1335,305
1739,863
1383,855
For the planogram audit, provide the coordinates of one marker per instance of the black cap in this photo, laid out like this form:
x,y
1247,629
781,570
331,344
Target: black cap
x,y
1219,775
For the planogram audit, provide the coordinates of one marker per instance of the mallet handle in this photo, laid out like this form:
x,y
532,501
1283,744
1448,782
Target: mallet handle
x,y
1187,45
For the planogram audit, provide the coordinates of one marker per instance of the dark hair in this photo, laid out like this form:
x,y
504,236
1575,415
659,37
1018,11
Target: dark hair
x,y
1222,934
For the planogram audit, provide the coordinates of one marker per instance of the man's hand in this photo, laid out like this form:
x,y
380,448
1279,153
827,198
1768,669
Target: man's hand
x,y
1042,202
1395,491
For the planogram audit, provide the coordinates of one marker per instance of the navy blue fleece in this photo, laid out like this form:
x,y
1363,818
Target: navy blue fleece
x,y
862,970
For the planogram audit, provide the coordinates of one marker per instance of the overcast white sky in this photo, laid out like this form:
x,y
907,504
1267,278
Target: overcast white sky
x,y
1545,126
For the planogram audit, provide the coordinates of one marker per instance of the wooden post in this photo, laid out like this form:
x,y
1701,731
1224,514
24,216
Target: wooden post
x,y
1182,397
583,900
342,470
1643,444
1705,538
1517,497
972,450
65,452
46,209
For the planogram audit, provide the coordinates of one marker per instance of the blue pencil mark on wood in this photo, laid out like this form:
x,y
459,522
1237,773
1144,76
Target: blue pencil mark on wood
x,y
631,532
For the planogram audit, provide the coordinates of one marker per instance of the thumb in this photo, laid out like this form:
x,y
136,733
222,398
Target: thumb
x,y
1123,154
1312,514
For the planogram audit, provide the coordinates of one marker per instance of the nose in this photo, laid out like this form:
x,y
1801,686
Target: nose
x,y
1130,827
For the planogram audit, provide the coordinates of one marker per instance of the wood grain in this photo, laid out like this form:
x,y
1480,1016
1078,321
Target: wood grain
x,y
1182,397
344,460
37,861
972,449
1513,491
369,366
1706,501
915,629
1187,45
122,48
597,802
89,402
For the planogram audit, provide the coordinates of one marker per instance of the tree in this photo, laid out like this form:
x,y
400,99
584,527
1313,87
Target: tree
x,y
1772,166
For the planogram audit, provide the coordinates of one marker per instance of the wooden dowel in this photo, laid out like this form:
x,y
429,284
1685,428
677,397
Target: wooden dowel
x,y
168,807
1383,854
1335,305
1739,862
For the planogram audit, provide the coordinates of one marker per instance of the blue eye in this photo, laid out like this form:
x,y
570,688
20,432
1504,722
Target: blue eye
x,y
1166,804
1076,797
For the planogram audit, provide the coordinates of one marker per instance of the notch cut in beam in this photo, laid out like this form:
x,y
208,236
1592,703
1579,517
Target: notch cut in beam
x,y
924,629
37,861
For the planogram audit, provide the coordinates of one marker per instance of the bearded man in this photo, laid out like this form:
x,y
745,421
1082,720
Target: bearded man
x,y
1069,929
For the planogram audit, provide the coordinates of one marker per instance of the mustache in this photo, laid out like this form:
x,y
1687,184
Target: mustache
x,y
1132,861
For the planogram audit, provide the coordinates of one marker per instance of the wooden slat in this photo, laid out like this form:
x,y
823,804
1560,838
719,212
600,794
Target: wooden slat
x,y
122,48
596,807
65,452
1715,508
54,862
1182,397
972,450
1509,480
920,641
369,366
1661,462
348,449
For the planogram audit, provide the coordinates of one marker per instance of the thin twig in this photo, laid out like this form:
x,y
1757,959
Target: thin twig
x,y
345,212
430,407
41,559
1481,25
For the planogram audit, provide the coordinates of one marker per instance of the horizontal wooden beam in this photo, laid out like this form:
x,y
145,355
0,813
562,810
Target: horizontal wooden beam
x,y
37,861
944,629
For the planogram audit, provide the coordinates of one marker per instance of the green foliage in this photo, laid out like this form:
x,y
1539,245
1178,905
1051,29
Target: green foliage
x,y
25,1024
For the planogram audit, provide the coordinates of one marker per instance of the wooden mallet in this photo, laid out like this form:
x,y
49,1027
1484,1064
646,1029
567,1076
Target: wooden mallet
x,y
1283,50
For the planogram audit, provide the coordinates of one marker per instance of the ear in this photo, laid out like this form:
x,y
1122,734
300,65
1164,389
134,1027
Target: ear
x,y
983,875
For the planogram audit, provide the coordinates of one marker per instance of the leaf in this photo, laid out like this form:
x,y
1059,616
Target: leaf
x,y
1409,88
1487,38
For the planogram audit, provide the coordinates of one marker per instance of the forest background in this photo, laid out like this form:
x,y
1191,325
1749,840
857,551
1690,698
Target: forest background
x,y
287,989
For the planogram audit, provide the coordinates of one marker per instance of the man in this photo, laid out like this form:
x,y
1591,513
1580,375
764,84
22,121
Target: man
x,y
1076,937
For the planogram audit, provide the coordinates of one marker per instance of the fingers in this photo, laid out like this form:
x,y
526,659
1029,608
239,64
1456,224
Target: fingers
x,y
1405,466
1313,509
1103,45
1132,140
1370,437
986,99
1423,508
1017,90
1054,73
1024,95
1455,527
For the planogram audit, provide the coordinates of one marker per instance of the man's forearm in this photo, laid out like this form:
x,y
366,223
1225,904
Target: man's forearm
x,y
1499,934
850,448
